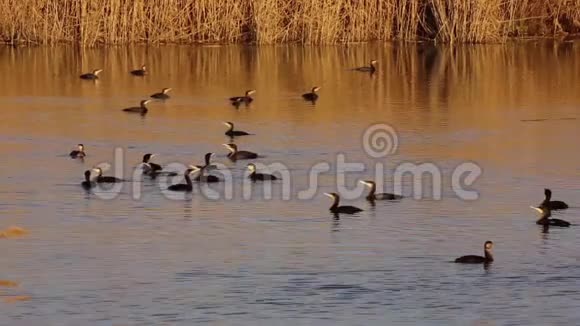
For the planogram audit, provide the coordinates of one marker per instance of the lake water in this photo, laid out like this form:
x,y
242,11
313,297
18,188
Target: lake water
x,y
144,259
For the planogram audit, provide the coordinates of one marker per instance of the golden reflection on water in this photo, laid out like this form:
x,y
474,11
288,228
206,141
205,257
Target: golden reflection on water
x,y
8,284
418,88
16,298
13,232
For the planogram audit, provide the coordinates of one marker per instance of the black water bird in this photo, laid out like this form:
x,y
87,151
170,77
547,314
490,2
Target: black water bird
x,y
545,220
474,259
140,72
207,159
335,208
91,75
370,68
156,174
148,165
163,94
187,186
152,169
254,176
142,108
88,183
105,179
552,204
312,96
233,133
246,99
203,177
206,162
237,102
235,154
372,196
79,152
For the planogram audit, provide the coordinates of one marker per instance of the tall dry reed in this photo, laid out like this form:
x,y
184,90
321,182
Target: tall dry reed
x,y
93,22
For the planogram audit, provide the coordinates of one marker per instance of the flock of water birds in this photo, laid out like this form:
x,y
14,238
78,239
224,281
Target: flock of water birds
x,y
95,175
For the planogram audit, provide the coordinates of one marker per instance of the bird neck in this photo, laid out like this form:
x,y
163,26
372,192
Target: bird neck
x,y
88,178
544,217
372,191
188,179
542,220
488,255
335,203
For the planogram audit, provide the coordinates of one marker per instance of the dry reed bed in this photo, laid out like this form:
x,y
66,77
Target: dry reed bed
x,y
93,22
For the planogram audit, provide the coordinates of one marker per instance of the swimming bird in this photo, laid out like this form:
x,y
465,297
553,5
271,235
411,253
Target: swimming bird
x,y
155,174
88,183
312,96
372,196
152,169
259,176
371,68
233,133
237,102
203,168
202,177
341,209
79,152
148,165
188,186
235,154
246,99
105,179
162,95
92,75
142,108
545,214
552,204
139,72
207,159
474,259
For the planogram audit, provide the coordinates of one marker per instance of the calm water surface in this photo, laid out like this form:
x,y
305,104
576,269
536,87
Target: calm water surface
x,y
513,110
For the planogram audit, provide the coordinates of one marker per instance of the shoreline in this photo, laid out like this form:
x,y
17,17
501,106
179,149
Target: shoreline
x,y
567,38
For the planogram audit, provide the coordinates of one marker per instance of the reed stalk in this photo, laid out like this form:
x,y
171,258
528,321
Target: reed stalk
x,y
104,22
